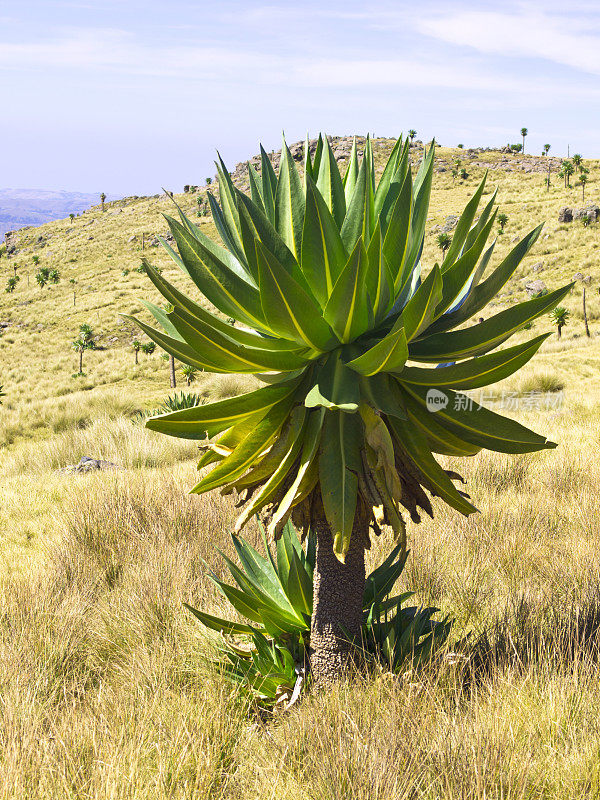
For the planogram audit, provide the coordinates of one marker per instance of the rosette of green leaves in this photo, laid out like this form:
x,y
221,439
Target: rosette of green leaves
x,y
274,593
335,311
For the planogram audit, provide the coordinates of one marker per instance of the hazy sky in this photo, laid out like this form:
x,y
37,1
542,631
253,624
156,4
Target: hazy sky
x,y
128,96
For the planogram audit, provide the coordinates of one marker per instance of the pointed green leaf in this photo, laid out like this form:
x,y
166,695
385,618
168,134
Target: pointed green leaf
x,y
308,165
202,422
235,250
395,243
300,587
249,449
346,310
289,203
476,372
439,439
421,194
359,219
478,227
413,442
289,311
480,426
267,234
218,624
317,156
351,176
417,314
310,448
335,387
457,275
383,394
387,176
339,463
274,481
258,568
480,295
224,355
271,461
378,280
227,256
228,204
222,287
191,311
269,185
329,184
388,355
485,336
323,254
161,316
256,188
463,226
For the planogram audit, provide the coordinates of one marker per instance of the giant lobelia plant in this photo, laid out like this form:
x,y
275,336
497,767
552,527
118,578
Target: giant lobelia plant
x,y
335,311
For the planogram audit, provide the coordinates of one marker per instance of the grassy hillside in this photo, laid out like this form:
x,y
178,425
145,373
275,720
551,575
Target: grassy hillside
x,y
105,692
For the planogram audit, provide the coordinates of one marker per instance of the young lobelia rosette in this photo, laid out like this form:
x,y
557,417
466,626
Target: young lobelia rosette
x,y
323,275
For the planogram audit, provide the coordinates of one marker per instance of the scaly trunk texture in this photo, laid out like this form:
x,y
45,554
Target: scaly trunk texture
x,y
585,319
337,602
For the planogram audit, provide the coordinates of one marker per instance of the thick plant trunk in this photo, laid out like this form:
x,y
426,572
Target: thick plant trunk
x,y
80,361
585,319
172,372
337,603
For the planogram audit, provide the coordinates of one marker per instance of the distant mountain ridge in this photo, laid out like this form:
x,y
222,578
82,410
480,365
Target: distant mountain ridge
x,y
21,207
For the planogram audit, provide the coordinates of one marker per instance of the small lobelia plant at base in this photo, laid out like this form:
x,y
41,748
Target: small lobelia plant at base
x,y
335,309
176,402
148,348
137,346
444,240
85,341
189,373
42,276
559,317
275,594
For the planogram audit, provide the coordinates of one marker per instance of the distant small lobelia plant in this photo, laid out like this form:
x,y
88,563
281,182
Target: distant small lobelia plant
x,y
334,312
84,341
560,316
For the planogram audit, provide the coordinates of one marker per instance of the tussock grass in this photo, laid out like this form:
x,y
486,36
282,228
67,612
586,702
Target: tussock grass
x,y
105,687
107,692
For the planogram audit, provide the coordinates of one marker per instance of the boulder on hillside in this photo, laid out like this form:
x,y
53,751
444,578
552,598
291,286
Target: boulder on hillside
x,y
534,288
565,214
591,211
87,464
539,267
579,276
450,223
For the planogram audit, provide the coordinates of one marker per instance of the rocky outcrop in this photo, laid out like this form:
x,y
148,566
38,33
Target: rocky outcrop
x,y
591,211
87,464
537,287
565,214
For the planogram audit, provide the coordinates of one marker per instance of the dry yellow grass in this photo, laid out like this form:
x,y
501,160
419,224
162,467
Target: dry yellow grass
x,y
104,689
105,693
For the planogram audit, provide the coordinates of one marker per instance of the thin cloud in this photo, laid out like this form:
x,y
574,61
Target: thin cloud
x,y
526,34
114,51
